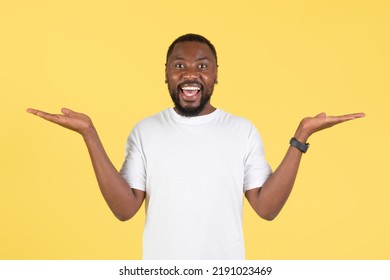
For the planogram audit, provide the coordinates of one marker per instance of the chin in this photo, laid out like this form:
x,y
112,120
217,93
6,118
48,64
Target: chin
x,y
189,111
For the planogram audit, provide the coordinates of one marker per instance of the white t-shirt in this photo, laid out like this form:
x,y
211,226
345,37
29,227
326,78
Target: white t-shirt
x,y
194,171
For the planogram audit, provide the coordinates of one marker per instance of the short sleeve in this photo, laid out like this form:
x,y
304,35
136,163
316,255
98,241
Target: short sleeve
x,y
133,168
256,168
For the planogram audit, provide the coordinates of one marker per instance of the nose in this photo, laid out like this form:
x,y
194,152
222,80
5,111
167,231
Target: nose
x,y
190,74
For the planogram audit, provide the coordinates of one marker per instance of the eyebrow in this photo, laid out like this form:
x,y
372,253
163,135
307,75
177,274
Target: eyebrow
x,y
198,59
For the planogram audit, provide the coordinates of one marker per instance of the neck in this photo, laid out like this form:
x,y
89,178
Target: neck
x,y
208,109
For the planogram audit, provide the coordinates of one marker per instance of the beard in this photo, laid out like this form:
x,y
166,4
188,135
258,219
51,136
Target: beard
x,y
189,111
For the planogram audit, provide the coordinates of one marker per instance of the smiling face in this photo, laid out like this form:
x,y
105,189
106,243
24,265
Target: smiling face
x,y
191,73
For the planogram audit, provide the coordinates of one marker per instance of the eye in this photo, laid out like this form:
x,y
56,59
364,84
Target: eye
x,y
179,66
202,66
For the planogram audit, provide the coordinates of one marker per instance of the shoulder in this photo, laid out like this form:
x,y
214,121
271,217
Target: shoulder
x,y
241,127
152,124
152,120
235,122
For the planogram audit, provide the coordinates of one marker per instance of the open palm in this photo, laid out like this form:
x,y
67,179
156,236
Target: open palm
x,y
75,121
310,125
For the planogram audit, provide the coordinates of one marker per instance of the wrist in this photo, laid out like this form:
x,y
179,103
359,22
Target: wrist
x,y
89,133
301,136
303,133
301,146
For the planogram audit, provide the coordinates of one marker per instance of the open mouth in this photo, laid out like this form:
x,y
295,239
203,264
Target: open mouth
x,y
190,90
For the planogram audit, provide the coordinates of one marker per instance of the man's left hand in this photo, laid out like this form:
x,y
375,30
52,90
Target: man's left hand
x,y
310,125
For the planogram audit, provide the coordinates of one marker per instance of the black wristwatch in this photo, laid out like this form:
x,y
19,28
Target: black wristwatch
x,y
299,145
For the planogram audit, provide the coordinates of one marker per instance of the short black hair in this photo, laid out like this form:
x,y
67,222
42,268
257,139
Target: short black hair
x,y
190,37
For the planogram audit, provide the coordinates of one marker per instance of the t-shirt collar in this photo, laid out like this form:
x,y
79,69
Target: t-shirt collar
x,y
193,120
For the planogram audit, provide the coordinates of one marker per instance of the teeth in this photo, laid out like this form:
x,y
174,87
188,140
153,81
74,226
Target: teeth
x,y
190,88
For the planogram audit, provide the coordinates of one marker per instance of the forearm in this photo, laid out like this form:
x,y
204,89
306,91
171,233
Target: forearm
x,y
276,190
123,201
269,200
271,197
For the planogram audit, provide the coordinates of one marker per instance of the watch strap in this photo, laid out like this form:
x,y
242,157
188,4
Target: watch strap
x,y
299,145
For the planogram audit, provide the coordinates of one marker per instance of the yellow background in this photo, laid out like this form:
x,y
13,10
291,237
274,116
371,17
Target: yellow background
x,y
279,62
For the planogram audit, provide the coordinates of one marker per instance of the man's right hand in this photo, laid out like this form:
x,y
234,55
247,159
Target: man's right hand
x,y
120,197
78,122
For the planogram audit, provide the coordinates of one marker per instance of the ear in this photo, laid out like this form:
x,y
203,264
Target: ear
x,y
216,76
166,74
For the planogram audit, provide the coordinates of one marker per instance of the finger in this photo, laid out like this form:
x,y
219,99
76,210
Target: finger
x,y
50,117
321,115
333,120
32,111
357,115
354,115
47,116
349,117
68,112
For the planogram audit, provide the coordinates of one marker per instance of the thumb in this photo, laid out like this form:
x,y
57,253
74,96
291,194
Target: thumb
x,y
321,115
68,112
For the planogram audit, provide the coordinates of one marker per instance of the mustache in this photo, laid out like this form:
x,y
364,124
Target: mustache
x,y
190,83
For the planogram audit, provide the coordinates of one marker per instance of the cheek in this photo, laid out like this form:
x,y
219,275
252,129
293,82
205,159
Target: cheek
x,y
209,80
173,78
172,82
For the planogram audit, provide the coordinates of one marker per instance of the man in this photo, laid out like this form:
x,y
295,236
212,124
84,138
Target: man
x,y
192,164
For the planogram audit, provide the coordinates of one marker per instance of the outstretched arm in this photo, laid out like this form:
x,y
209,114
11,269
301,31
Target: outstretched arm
x,y
269,199
123,201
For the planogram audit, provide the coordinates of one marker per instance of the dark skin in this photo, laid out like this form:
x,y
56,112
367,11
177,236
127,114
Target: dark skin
x,y
191,66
